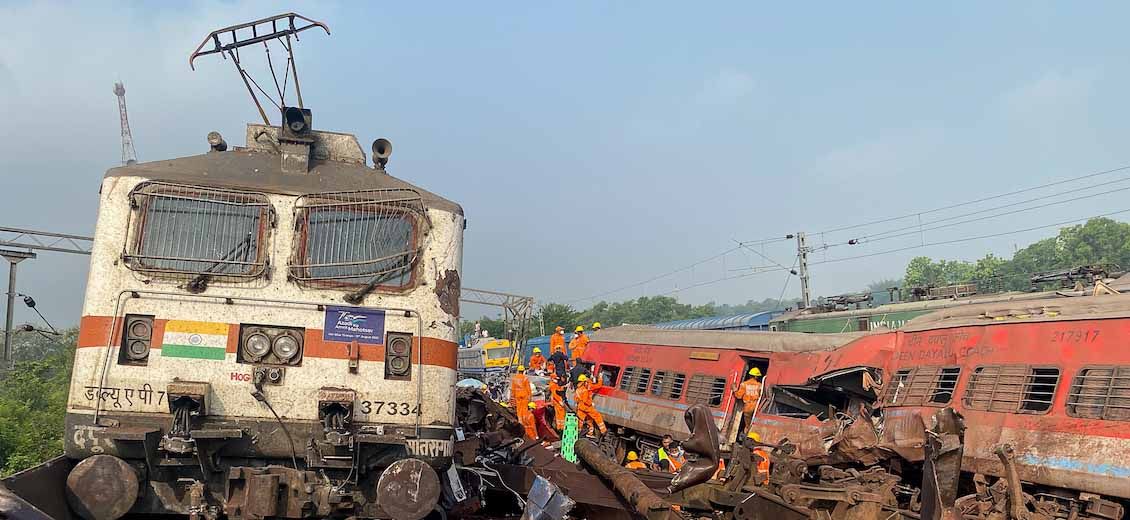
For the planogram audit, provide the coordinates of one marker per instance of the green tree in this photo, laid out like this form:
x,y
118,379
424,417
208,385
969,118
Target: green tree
x,y
33,400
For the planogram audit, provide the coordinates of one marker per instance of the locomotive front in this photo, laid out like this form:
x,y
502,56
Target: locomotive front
x,y
268,332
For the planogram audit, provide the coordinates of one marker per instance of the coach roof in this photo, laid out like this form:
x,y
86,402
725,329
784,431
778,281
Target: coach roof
x,y
720,339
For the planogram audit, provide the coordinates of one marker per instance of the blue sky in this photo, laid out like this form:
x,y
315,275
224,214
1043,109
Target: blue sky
x,y
594,145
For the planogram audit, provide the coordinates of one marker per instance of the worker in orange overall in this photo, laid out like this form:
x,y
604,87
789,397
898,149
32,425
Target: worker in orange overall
x,y
761,459
634,461
749,391
586,412
537,361
557,397
519,390
578,344
557,340
526,417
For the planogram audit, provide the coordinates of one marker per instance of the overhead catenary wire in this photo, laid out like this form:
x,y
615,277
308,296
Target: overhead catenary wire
x,y
917,228
657,277
980,200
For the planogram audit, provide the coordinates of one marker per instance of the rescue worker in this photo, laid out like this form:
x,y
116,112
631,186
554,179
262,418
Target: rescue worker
x,y
634,461
557,398
578,344
748,462
526,417
761,459
667,461
586,412
519,390
749,391
596,326
557,340
537,361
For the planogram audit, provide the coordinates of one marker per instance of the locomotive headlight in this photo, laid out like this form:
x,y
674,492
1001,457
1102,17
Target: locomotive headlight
x,y
285,347
256,346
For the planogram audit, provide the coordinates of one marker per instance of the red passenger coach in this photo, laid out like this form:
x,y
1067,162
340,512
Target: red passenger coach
x,y
1050,378
651,376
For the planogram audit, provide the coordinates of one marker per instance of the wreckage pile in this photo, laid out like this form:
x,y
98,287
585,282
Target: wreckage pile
x,y
502,475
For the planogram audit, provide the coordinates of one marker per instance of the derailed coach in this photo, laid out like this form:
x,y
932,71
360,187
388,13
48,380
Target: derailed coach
x,y
1043,386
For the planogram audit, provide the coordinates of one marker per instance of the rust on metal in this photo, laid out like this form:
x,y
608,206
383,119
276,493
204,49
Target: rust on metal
x,y
447,290
641,498
408,489
102,487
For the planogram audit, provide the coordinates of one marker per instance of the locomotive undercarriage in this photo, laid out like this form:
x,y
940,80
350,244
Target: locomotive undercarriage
x,y
206,467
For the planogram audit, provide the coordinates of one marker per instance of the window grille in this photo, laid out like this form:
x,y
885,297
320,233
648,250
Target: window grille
x,y
1101,392
668,385
707,390
641,382
359,238
1012,388
924,385
193,230
629,375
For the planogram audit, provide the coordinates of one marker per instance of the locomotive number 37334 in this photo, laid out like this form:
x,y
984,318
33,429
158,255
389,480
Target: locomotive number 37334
x,y
387,407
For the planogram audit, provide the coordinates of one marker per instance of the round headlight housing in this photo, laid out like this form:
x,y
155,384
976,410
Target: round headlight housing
x,y
285,347
137,350
256,346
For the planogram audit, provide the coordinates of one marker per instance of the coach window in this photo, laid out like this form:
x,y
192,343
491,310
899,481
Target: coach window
x,y
642,378
1100,392
198,233
668,385
924,385
608,375
1012,388
707,390
629,374
362,240
944,383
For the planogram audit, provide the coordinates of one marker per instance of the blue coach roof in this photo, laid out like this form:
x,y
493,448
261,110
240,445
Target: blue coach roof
x,y
755,321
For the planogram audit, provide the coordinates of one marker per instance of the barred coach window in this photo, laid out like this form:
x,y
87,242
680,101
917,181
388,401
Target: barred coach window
x,y
359,238
194,230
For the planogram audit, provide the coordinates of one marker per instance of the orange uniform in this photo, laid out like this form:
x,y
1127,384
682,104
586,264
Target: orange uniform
x,y
519,393
749,391
556,396
537,361
762,467
578,345
526,417
586,412
557,342
635,464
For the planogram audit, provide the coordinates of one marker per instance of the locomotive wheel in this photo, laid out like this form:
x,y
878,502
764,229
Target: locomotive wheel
x,y
102,487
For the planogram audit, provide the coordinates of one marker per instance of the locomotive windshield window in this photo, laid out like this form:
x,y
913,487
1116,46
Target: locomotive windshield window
x,y
194,230
1101,392
1012,388
366,238
708,390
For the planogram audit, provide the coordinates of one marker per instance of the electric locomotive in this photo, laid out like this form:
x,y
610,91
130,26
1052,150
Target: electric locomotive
x,y
269,331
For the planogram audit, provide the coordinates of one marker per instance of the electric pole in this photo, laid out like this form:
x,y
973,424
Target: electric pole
x,y
129,155
802,262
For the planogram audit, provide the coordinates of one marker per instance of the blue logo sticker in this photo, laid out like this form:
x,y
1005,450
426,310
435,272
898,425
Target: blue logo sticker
x,y
351,323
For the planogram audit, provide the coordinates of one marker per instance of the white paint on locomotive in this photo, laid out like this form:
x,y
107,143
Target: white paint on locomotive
x,y
210,321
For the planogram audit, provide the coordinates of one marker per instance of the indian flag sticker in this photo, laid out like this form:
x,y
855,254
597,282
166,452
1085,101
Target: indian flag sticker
x,y
195,339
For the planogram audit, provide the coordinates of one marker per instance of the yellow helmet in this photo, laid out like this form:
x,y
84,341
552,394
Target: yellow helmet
x,y
537,350
521,368
583,378
579,329
596,325
756,372
633,455
531,405
754,435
